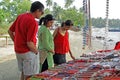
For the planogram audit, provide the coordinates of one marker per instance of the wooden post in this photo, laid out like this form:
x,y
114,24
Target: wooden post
x,y
6,41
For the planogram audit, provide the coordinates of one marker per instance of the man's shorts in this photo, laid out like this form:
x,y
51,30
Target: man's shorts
x,y
28,63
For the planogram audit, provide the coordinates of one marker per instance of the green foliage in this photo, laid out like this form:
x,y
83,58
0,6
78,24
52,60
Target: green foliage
x,y
47,11
114,23
9,9
23,6
68,3
2,15
57,12
74,15
100,23
49,3
4,28
14,7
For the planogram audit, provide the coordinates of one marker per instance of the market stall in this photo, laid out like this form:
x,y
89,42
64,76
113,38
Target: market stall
x,y
99,65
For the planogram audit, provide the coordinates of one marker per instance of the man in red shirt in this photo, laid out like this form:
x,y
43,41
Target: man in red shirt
x,y
23,33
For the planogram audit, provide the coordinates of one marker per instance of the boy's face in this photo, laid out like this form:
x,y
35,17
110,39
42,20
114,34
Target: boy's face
x,y
39,13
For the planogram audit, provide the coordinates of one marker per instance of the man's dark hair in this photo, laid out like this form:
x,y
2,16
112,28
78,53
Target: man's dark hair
x,y
36,5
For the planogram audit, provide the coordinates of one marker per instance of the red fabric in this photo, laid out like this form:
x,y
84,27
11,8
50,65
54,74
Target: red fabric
x,y
61,43
103,51
25,28
117,46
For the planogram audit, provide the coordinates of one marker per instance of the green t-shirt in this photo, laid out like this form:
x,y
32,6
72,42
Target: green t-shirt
x,y
45,39
45,42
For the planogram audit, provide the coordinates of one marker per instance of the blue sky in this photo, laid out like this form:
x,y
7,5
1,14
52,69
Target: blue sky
x,y
98,7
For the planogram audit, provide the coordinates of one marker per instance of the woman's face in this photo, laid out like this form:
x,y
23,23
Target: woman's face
x,y
50,23
67,27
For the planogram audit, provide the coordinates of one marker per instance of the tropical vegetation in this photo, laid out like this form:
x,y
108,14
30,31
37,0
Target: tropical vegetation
x,y
10,9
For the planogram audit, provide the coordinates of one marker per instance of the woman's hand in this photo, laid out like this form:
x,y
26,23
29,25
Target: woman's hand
x,y
72,57
52,51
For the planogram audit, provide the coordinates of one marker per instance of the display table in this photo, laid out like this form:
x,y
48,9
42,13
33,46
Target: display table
x,y
86,68
62,71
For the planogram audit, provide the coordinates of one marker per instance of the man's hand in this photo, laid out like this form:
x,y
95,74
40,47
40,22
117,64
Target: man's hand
x,y
32,47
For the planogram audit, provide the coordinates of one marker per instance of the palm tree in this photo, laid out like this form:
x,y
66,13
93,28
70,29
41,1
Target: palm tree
x,y
68,3
57,11
49,3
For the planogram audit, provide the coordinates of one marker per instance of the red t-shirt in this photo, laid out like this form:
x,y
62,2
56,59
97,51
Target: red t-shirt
x,y
25,28
61,43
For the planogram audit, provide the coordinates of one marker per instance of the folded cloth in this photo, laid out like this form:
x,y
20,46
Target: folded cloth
x,y
43,56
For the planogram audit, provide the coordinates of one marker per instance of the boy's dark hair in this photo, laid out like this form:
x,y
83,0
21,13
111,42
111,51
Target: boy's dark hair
x,y
67,23
45,19
36,5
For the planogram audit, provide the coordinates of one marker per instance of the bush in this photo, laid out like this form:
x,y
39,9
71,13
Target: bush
x,y
4,28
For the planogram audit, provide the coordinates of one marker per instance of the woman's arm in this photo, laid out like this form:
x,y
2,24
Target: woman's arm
x,y
55,32
70,50
71,55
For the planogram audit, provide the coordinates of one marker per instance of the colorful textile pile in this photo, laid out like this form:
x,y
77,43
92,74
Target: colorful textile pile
x,y
86,68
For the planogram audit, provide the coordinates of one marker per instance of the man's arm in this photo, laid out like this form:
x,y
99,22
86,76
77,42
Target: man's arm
x,y
11,34
32,47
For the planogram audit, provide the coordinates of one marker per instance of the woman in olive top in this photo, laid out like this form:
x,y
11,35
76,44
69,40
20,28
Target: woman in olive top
x,y
45,41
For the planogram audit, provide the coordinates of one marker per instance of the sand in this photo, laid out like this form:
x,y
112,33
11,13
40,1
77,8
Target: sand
x,y
8,63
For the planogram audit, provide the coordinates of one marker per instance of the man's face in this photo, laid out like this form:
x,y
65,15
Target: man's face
x,y
39,13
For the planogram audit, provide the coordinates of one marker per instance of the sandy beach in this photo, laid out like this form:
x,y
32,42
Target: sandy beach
x,y
8,63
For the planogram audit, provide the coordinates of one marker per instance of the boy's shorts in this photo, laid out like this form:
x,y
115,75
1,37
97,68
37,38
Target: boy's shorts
x,y
28,63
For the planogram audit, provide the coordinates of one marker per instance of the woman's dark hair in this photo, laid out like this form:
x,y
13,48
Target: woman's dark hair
x,y
62,24
45,19
36,5
67,23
